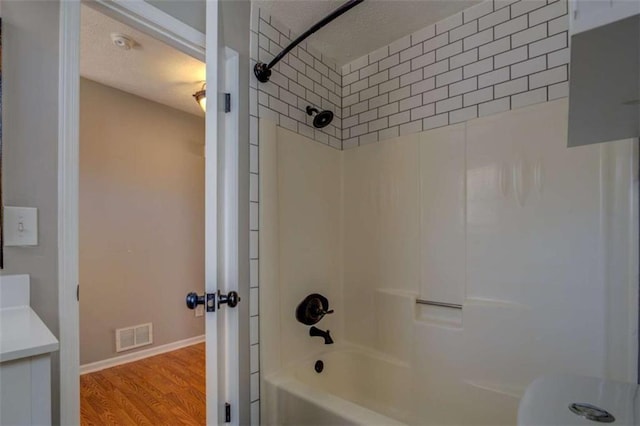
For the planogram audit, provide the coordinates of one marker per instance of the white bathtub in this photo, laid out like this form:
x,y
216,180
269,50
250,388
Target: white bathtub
x,y
356,387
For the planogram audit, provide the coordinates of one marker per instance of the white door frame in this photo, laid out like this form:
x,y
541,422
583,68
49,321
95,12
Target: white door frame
x,y
142,16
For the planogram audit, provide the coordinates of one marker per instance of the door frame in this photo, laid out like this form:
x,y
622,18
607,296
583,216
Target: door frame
x,y
151,20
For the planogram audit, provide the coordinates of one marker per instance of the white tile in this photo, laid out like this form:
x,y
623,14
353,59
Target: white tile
x,y
559,57
559,90
278,105
253,244
253,130
399,118
510,87
389,62
479,67
478,96
464,114
558,25
379,77
412,102
305,81
269,31
350,78
322,68
398,94
511,57
320,136
483,37
368,138
529,35
378,54
449,23
423,60
435,121
463,86
494,107
255,386
399,44
525,6
449,50
529,98
398,70
369,93
368,116
493,19
548,13
359,130
254,302
254,330
350,100
254,272
435,95
494,48
279,26
253,46
314,75
253,187
296,89
335,142
528,67
422,112
379,101
436,42
463,31
548,77
255,413
253,159
449,77
423,86
305,130
350,122
423,34
387,86
493,77
449,104
478,10
369,70
346,69
411,53
411,128
359,85
463,59
510,27
360,107
411,77
254,358
361,62
350,143
391,132
499,4
434,69
389,109
378,124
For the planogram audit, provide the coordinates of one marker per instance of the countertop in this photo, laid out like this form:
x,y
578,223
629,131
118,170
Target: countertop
x,y
23,334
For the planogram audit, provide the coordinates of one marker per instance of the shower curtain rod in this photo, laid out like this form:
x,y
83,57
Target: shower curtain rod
x,y
263,71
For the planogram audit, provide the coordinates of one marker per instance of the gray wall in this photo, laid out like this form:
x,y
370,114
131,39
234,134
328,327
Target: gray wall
x,y
190,12
141,218
30,140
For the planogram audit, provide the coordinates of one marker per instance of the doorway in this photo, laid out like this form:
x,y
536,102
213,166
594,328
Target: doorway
x,y
141,227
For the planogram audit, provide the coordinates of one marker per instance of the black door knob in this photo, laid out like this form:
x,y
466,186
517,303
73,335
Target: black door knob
x,y
231,299
194,300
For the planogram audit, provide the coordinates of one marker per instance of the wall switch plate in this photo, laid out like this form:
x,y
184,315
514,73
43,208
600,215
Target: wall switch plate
x,y
20,226
199,310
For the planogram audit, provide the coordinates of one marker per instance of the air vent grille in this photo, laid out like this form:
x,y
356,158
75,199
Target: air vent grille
x,y
134,337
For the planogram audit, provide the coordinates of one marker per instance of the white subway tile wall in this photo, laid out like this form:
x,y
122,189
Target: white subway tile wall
x,y
492,57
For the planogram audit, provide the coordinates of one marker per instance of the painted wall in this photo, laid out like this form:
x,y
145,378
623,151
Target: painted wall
x,y
141,218
30,135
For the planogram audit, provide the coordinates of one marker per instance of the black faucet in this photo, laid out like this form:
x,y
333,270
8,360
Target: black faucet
x,y
315,331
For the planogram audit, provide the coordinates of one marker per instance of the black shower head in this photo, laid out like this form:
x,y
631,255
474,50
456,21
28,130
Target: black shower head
x,y
322,118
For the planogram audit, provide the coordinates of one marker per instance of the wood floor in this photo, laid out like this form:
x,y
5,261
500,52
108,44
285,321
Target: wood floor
x,y
167,389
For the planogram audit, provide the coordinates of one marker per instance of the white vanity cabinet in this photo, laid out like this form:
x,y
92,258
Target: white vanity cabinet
x,y
589,14
26,345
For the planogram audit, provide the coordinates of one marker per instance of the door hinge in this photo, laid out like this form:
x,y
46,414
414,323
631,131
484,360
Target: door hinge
x,y
227,102
227,412
78,292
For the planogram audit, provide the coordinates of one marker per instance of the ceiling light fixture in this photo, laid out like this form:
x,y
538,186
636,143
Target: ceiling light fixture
x,y
201,97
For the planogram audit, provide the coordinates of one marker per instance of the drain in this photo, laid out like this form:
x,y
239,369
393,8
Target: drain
x,y
319,366
591,412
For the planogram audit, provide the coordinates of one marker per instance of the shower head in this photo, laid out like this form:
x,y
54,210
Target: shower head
x,y
322,118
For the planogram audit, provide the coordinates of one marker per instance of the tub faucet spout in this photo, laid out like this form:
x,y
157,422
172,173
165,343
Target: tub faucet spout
x,y
314,331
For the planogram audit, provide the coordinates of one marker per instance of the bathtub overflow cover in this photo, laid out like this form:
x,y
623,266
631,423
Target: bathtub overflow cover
x,y
319,366
591,412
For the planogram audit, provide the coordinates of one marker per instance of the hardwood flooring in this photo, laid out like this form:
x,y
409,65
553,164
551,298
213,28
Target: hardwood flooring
x,y
167,389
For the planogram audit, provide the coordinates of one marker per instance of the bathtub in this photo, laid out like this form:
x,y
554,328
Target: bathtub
x,y
356,387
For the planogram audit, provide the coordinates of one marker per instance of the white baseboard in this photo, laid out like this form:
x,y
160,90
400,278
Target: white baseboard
x,y
136,356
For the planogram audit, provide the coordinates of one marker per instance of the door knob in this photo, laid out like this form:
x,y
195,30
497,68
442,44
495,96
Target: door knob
x,y
231,299
207,299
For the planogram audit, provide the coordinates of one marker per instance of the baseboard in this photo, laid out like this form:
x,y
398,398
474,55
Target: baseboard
x,y
136,356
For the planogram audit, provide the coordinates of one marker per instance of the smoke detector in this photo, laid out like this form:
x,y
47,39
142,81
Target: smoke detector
x,y
122,41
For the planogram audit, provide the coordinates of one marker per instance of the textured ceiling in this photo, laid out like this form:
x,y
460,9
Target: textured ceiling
x,y
152,69
365,28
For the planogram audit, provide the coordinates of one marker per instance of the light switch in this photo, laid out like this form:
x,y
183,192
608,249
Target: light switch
x,y
20,226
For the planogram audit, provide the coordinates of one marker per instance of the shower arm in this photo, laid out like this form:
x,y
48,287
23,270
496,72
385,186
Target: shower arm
x,y
262,71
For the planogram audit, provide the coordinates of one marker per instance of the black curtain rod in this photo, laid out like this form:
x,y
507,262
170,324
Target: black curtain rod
x,y
263,71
